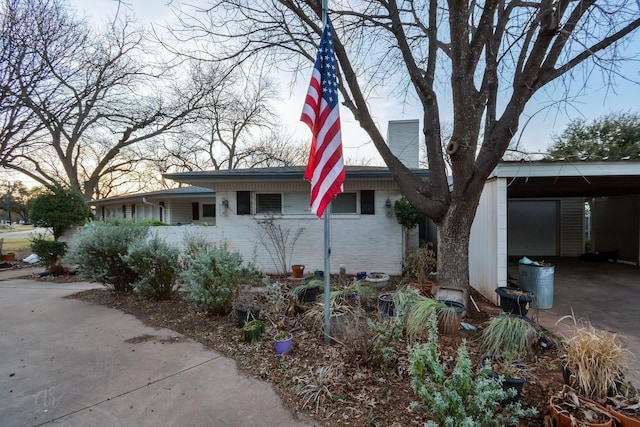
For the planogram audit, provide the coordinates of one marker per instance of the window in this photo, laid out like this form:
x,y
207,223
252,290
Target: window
x,y
195,211
367,202
344,203
243,202
208,211
124,211
268,203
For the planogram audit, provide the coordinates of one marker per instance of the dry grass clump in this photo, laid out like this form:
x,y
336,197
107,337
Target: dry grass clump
x,y
595,360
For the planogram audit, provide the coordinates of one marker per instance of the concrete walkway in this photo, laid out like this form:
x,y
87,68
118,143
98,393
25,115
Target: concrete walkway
x,y
65,362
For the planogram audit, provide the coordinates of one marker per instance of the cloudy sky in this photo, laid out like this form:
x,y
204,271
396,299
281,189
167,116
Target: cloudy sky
x,y
544,117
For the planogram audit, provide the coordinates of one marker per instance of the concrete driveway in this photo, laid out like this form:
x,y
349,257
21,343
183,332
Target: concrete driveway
x,y
605,294
65,362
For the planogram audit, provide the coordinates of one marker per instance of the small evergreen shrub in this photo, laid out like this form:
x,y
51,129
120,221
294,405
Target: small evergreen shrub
x,y
49,251
194,244
215,277
152,223
157,265
459,398
99,253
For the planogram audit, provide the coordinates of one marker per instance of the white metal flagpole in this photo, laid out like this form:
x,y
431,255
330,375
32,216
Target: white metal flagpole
x,y
327,238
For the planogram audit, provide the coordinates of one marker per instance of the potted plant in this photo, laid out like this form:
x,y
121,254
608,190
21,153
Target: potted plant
x,y
594,362
512,374
283,341
245,312
419,266
509,336
377,280
448,314
568,408
308,291
625,407
386,306
514,300
352,293
252,330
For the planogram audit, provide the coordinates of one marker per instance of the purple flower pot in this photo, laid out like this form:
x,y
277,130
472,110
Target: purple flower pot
x,y
284,347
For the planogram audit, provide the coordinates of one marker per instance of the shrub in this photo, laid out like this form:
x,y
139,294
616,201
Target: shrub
x,y
407,215
215,278
99,253
459,398
194,244
49,251
157,266
60,209
420,263
152,223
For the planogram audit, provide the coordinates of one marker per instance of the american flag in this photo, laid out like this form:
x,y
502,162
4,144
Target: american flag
x,y
325,169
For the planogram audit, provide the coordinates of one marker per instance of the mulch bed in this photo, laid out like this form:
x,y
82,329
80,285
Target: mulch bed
x,y
360,391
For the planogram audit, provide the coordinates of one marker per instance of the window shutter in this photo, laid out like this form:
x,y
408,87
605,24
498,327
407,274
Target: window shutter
x,y
195,211
367,202
243,200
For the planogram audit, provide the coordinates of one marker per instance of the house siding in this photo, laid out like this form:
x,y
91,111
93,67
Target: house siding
x,y
359,242
571,227
488,241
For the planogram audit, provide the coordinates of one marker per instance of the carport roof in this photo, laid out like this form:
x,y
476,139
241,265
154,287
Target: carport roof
x,y
544,178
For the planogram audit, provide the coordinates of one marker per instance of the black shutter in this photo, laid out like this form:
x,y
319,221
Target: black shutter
x,y
367,202
243,200
195,211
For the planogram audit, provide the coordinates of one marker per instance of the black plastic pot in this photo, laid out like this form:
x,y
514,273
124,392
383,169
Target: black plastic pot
x,y
385,304
508,382
515,303
246,314
308,294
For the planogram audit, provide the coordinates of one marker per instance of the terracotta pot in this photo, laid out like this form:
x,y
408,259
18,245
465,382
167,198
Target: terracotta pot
x,y
563,420
9,256
298,270
623,420
424,288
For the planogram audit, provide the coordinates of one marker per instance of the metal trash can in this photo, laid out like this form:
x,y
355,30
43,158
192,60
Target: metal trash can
x,y
537,279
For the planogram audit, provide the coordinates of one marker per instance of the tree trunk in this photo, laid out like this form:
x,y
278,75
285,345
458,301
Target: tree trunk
x,y
453,244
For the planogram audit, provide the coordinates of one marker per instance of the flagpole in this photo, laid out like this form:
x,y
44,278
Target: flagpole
x,y
327,239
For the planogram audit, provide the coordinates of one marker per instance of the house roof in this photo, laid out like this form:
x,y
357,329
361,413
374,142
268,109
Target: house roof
x,y
189,191
283,173
564,178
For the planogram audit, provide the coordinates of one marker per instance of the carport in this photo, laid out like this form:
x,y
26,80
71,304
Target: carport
x,y
537,209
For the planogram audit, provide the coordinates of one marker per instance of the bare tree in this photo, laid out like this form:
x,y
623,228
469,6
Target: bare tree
x,y
486,59
237,118
85,97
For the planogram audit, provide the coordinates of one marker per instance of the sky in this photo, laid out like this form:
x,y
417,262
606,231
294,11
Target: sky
x,y
591,98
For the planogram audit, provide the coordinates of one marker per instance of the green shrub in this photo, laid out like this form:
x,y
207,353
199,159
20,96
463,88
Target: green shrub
x,y
60,209
157,265
152,223
459,398
194,244
49,251
215,277
99,253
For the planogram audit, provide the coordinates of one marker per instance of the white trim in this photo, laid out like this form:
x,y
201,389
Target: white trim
x,y
532,169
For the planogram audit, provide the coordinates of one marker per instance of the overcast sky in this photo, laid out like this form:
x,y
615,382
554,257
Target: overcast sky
x,y
592,98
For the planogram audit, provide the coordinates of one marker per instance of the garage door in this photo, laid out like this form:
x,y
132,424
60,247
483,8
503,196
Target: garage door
x,y
532,228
